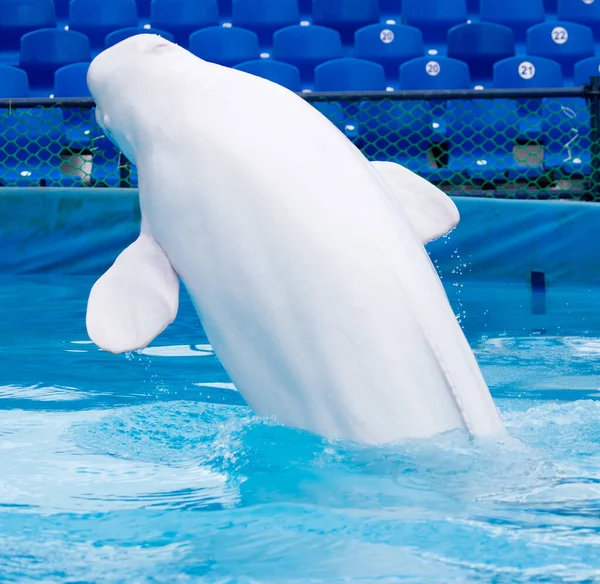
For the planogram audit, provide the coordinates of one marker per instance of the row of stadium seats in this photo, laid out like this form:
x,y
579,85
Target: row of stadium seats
x,y
273,14
97,18
384,7
399,63
347,74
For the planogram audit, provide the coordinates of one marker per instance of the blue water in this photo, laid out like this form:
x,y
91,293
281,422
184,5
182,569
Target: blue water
x,y
148,467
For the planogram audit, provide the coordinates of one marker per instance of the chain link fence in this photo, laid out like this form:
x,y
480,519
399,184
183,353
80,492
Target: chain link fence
x,y
535,144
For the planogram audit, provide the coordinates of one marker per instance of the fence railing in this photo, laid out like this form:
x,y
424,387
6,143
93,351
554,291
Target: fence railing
x,y
539,143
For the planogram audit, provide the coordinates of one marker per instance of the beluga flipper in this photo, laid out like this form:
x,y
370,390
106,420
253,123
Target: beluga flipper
x,y
135,300
431,212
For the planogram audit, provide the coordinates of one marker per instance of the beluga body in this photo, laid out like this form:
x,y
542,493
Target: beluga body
x,y
305,262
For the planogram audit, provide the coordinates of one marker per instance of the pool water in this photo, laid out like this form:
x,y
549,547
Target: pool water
x,y
148,467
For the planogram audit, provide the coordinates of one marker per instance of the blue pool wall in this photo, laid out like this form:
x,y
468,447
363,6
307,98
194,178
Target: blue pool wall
x,y
497,245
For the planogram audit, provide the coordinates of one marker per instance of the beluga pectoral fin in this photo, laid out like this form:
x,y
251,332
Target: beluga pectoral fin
x,y
134,300
431,211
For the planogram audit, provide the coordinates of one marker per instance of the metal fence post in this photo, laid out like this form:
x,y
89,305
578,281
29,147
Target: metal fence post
x,y
593,94
124,171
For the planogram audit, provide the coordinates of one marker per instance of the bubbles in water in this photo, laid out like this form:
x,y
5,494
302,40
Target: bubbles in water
x,y
457,272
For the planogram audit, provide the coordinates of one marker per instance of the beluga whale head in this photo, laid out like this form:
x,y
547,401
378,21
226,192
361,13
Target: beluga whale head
x,y
124,79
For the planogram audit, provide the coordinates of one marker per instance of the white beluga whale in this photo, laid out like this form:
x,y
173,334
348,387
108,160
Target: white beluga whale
x,y
305,262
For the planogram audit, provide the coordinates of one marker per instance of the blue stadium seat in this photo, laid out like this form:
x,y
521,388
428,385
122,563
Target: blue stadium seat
x,y
434,73
527,72
117,36
518,15
550,6
305,6
18,17
183,17
587,13
565,42
480,45
390,7
473,6
46,50
13,82
96,18
306,47
143,8
276,71
225,46
585,69
265,16
434,17
350,74
346,16
225,8
482,134
70,81
566,136
389,44
62,8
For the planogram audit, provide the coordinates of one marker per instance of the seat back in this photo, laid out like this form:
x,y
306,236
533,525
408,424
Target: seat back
x,y
527,72
70,81
46,50
265,16
585,69
480,45
183,17
349,74
587,13
225,46
97,18
389,44
516,14
306,47
281,73
13,82
434,17
346,16
564,42
434,73
22,16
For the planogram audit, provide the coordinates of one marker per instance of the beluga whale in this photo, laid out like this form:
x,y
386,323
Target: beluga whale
x,y
305,262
